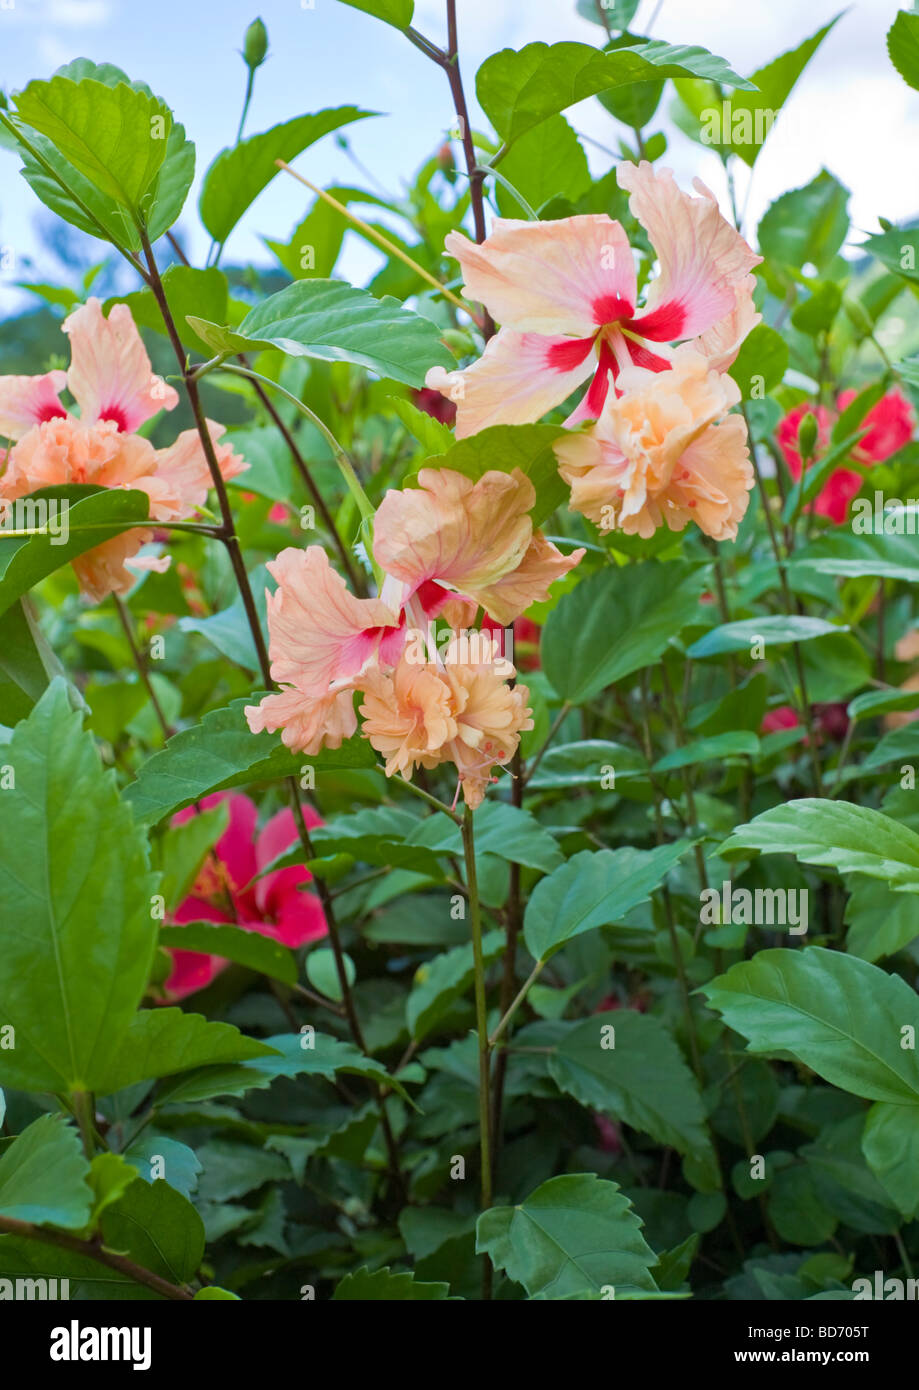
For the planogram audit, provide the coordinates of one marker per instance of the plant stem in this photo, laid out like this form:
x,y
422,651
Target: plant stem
x,y
517,1001
94,1250
83,1109
481,1016
123,612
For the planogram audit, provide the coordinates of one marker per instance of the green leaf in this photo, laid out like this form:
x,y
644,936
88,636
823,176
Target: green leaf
x,y
183,848
116,137
229,630
385,1283
248,948
158,1228
574,1234
903,47
187,289
593,889
94,515
270,472
776,82
585,764
396,12
736,744
440,982
518,90
175,1162
897,250
72,982
322,972
238,175
880,921
616,622
873,703
334,322
761,362
300,1055
642,1080
838,1015
110,1176
504,448
807,225
160,1042
500,829
544,164
316,241
890,1143
221,752
772,630
25,663
433,437
834,834
43,1176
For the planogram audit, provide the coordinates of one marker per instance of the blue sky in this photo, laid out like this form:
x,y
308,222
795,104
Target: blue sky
x,y
852,112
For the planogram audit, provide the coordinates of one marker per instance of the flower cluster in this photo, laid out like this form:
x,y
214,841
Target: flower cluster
x,y
447,548
113,385
662,448
888,426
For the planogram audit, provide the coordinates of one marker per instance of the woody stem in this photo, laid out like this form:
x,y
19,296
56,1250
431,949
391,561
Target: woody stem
x,y
481,1015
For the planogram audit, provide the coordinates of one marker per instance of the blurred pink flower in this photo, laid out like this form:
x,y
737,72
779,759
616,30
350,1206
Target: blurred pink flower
x,y
274,905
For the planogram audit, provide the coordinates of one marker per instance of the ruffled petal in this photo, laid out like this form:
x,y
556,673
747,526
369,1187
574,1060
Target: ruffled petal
x,y
110,375
184,470
529,583
307,722
703,259
569,276
518,379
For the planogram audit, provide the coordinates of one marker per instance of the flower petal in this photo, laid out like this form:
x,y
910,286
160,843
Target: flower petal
x,y
529,582
518,378
110,375
307,722
29,400
184,469
703,259
569,276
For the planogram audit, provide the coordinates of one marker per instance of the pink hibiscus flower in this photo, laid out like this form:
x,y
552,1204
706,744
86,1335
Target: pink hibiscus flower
x,y
224,891
111,380
565,293
890,425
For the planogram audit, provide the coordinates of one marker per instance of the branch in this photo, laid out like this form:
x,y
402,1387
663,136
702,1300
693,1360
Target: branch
x,y
94,1250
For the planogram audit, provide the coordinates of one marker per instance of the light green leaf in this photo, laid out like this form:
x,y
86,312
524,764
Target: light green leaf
x,y
187,289
229,630
72,982
501,829
616,622
806,225
248,948
776,82
593,889
880,921
333,322
504,448
574,1234
94,515
160,1042
585,764
114,136
760,365
44,1176
238,175
546,163
26,662
518,90
903,46
834,834
773,631
221,752
734,744
838,1015
396,12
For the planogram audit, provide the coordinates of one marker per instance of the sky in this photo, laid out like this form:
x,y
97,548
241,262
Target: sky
x,y
851,112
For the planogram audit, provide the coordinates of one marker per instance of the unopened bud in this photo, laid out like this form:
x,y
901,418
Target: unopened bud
x,y
255,45
807,437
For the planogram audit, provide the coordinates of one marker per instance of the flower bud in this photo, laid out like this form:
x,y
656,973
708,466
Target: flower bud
x,y
255,44
807,437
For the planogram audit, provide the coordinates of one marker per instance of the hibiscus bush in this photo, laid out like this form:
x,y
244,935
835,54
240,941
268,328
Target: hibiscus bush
x,y
458,827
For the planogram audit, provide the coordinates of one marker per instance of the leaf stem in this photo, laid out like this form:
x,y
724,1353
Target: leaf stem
x,y
94,1250
481,1014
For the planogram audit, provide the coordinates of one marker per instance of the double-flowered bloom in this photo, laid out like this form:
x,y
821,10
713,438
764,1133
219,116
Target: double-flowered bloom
x,y
565,294
112,383
447,548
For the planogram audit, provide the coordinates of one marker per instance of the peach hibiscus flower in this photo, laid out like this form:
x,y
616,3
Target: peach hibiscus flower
x,y
565,293
112,382
665,451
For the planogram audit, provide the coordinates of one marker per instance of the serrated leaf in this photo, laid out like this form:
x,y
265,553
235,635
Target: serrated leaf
x,y
393,1286
333,322
248,948
593,889
44,1176
500,829
443,980
395,12
806,225
158,1229
222,752
160,1042
903,47
574,1234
